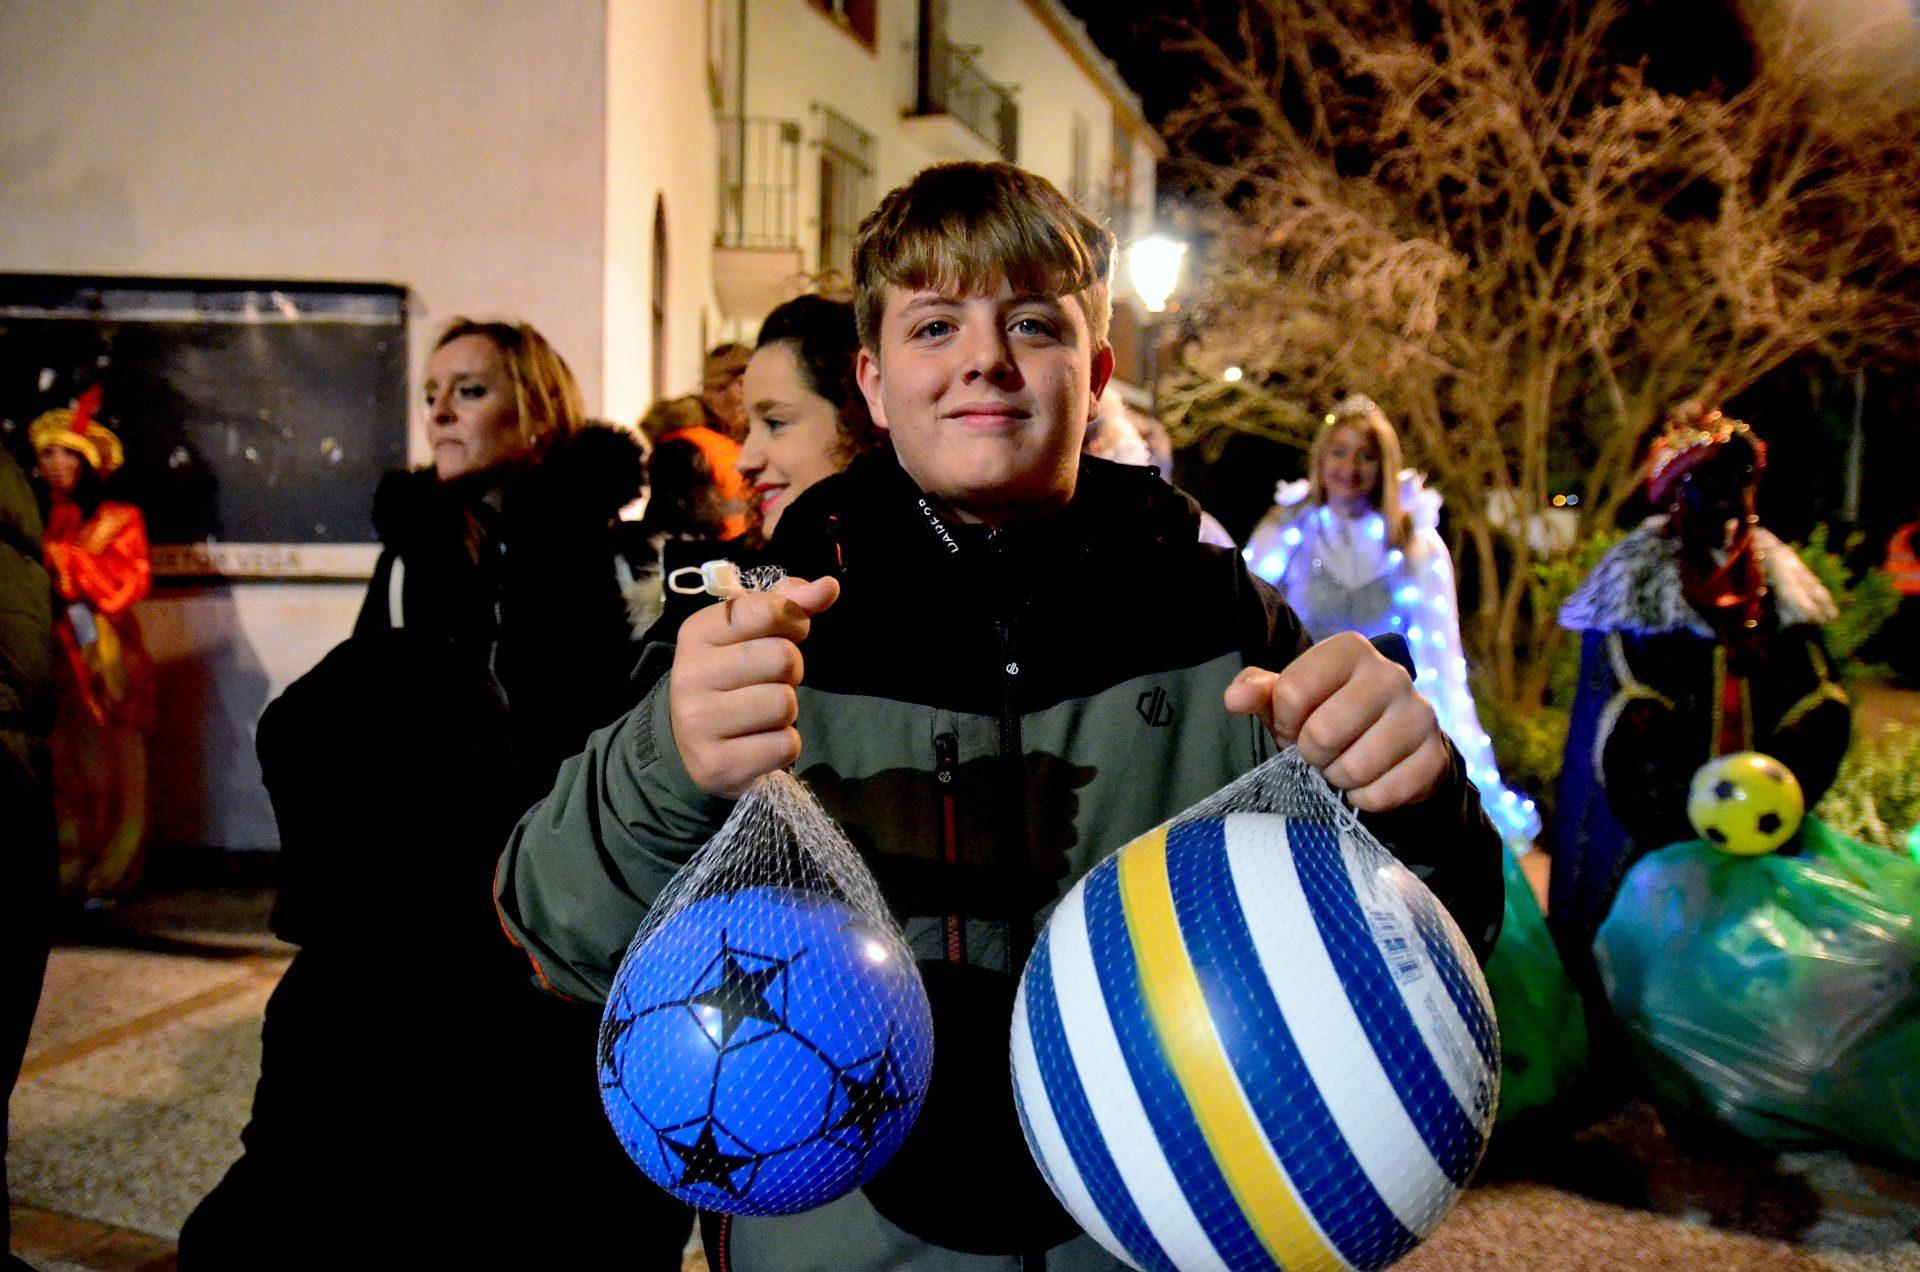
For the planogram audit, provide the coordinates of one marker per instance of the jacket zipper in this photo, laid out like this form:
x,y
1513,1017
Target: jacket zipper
x,y
946,763
1012,793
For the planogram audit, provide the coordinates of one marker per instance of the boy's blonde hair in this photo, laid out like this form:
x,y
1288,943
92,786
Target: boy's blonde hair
x,y
962,227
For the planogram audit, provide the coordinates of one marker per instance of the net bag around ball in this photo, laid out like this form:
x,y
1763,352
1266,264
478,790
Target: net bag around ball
x,y
1253,1038
767,1041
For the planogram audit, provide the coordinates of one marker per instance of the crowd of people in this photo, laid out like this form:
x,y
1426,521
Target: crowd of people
x,y
959,501
506,612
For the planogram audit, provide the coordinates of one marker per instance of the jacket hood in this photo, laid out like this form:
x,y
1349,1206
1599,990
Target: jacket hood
x,y
20,523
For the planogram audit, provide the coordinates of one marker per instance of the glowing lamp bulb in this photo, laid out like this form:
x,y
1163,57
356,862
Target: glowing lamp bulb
x,y
1154,265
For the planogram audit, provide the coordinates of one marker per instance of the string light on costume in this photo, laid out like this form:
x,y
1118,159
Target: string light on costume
x,y
1419,603
1425,616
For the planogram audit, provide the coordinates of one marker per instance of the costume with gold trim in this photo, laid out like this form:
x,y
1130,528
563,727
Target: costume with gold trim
x,y
99,566
1661,692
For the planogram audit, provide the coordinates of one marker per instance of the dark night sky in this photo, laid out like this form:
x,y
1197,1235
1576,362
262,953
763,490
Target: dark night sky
x,y
1688,47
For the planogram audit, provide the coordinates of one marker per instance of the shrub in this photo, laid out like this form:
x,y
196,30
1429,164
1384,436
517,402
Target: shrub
x,y
1866,602
1875,797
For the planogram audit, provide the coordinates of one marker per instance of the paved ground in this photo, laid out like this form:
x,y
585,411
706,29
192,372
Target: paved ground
x,y
138,1077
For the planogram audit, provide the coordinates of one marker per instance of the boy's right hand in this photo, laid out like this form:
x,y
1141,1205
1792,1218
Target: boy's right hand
x,y
731,690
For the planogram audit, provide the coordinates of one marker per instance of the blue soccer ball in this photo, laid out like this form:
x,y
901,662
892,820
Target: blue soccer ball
x,y
765,1051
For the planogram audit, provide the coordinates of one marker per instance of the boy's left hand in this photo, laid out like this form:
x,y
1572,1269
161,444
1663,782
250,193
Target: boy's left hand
x,y
1355,716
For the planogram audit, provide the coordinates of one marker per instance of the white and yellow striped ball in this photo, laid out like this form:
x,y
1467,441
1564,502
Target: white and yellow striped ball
x,y
1254,1042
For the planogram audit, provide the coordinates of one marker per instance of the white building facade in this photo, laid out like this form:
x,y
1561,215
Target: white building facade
x,y
822,105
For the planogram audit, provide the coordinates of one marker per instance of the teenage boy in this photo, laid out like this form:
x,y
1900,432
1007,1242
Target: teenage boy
x,y
1016,660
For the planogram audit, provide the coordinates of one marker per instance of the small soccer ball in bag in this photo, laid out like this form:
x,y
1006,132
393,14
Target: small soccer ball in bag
x,y
1746,803
765,1051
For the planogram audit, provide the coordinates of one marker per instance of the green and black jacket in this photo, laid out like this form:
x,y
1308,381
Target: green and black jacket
x,y
987,714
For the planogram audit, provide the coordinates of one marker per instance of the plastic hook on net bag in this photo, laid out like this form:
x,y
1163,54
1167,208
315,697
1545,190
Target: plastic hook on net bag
x,y
767,1041
1252,1034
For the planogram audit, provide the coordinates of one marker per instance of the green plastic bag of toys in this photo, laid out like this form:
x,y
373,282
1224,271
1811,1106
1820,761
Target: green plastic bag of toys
x,y
1543,1029
1776,996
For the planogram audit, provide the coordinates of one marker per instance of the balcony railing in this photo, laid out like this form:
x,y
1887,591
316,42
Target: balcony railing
x,y
846,187
759,183
953,84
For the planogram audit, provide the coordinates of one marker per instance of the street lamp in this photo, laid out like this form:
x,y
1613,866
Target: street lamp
x,y
1154,265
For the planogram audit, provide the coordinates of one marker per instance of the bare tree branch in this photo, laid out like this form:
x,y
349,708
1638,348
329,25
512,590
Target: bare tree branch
x,y
1523,250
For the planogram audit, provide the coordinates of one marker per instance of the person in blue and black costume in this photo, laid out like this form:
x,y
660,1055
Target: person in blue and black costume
x,y
995,661
1699,636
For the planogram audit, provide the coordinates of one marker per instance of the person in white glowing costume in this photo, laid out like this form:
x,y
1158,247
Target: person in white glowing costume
x,y
1353,551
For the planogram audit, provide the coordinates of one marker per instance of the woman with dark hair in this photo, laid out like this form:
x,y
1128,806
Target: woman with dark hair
x,y
96,553
806,420
806,416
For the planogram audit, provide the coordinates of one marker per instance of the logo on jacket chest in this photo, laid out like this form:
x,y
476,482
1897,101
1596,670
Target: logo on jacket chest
x,y
938,527
1155,707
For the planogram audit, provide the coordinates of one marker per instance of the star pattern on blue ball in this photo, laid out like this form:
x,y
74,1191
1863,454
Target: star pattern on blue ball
x,y
703,1161
612,1030
871,1096
750,1066
740,994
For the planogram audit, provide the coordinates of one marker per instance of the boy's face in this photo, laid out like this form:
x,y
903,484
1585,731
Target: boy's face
x,y
987,397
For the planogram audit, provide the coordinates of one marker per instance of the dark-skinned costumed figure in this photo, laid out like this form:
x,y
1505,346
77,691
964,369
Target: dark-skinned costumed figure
x,y
1755,967
1699,637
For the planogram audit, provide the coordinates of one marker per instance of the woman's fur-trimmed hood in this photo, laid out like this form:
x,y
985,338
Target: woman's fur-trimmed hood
x,y
592,474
